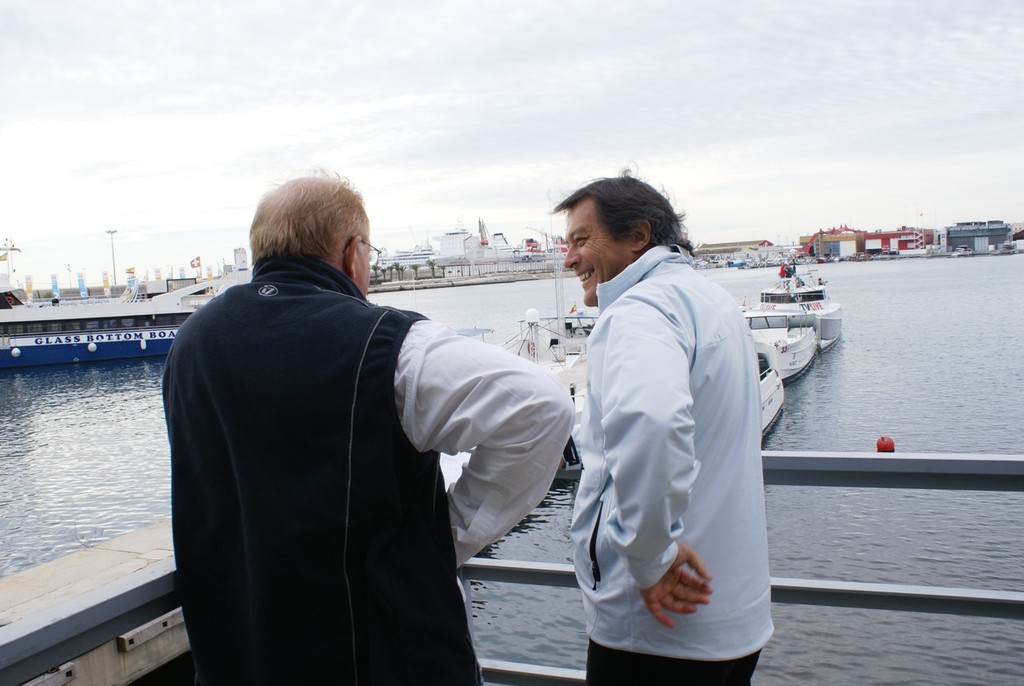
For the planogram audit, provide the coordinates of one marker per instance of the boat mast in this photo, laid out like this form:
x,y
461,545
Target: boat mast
x,y
7,248
559,284
560,298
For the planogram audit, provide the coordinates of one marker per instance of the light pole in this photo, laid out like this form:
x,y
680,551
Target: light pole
x,y
113,262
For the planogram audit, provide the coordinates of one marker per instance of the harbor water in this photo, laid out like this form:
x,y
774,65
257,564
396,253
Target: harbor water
x,y
927,357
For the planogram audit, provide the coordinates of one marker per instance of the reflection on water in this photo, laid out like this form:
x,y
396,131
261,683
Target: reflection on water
x,y
83,458
925,357
543,535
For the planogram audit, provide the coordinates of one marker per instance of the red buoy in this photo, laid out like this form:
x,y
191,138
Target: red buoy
x,y
885,445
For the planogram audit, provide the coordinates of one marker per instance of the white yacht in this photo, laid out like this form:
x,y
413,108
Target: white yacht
x,y
420,256
772,390
560,344
804,294
793,338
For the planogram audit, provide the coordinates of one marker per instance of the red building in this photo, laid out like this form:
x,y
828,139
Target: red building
x,y
902,240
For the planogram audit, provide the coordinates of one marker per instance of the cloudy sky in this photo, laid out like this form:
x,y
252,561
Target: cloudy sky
x,y
166,120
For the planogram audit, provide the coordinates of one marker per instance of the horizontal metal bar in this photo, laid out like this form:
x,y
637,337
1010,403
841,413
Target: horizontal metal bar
x,y
959,472
523,674
556,574
33,645
901,598
826,593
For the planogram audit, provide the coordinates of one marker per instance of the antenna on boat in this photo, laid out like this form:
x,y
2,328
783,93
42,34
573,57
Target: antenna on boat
x,y
559,283
7,248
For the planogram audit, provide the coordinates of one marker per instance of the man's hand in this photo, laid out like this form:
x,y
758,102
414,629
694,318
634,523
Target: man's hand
x,y
680,589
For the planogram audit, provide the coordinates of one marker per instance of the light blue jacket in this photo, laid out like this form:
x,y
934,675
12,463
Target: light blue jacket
x,y
670,441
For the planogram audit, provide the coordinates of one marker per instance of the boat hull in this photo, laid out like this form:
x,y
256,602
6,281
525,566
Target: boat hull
x,y
796,352
37,351
772,397
100,330
793,346
829,324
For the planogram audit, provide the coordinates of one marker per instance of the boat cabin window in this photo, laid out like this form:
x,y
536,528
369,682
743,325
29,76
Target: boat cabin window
x,y
762,364
786,298
170,319
772,322
80,325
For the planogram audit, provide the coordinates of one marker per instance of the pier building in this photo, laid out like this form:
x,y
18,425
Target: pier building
x,y
906,240
978,236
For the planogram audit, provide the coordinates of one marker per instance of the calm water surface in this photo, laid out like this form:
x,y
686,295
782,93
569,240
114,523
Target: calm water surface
x,y
927,357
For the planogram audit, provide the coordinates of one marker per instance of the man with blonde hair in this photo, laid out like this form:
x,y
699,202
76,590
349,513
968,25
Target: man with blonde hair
x,y
314,537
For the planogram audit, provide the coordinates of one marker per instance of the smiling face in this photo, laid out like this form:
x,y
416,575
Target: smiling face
x,y
594,253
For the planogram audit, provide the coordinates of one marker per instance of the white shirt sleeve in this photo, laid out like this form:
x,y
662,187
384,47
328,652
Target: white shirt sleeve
x,y
456,394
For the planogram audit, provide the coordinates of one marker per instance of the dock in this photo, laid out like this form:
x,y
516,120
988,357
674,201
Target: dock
x,y
55,591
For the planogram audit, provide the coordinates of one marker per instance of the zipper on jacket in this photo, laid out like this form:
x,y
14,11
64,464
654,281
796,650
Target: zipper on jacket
x,y
595,569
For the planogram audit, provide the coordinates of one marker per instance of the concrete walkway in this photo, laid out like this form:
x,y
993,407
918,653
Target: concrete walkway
x,y
40,587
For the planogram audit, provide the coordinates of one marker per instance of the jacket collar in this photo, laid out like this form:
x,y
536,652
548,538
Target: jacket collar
x,y
304,270
611,290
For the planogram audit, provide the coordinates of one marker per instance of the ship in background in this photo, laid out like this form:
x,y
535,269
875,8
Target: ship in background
x,y
140,322
461,246
420,256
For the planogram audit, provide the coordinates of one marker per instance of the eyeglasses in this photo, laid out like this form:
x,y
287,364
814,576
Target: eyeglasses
x,y
372,250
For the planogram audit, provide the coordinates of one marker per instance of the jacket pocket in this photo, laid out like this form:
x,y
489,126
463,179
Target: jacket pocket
x,y
595,568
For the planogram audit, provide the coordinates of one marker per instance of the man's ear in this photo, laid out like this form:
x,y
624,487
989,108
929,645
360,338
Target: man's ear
x,y
641,235
353,254
343,257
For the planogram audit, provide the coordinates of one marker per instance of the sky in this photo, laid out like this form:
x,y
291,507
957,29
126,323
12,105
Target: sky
x,y
165,121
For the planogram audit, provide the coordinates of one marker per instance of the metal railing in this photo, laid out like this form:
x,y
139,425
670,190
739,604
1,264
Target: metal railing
x,y
35,644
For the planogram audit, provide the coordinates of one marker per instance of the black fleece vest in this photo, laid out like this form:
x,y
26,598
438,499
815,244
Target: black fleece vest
x,y
312,540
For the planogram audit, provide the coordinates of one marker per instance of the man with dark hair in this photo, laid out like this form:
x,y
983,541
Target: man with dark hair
x,y
314,539
670,442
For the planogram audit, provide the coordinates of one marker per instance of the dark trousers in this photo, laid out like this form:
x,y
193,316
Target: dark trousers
x,y
609,667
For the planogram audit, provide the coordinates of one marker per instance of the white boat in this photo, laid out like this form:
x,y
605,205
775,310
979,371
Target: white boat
x,y
459,246
557,342
132,325
560,344
772,390
453,245
797,295
420,256
793,338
